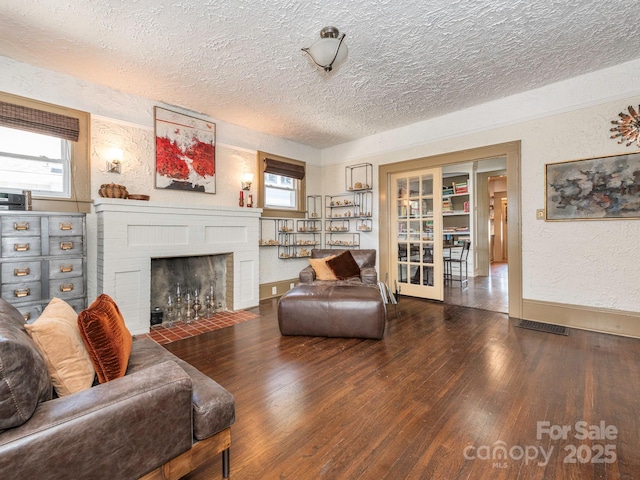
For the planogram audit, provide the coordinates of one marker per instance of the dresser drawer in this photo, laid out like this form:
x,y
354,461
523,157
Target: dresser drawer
x,y
16,226
65,246
78,304
30,312
65,268
66,287
21,292
15,247
65,226
21,272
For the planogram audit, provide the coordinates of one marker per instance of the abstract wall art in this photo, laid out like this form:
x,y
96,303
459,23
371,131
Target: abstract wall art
x,y
185,152
593,189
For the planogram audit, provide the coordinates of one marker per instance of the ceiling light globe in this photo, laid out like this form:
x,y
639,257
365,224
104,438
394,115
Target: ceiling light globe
x,y
324,50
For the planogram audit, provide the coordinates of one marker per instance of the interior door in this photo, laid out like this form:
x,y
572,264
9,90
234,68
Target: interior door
x,y
416,239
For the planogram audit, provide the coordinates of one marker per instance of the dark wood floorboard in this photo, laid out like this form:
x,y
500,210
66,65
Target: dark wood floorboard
x,y
444,378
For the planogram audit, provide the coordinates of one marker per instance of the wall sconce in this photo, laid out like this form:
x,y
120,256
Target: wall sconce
x,y
247,180
329,51
115,164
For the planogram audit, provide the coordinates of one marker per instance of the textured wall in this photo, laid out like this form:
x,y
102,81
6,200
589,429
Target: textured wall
x,y
583,263
590,263
138,165
126,121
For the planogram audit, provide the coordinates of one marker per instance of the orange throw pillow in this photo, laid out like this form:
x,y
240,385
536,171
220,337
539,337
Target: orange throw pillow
x,y
323,272
106,337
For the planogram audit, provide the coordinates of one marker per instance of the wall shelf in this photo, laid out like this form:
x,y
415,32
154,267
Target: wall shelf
x,y
358,177
314,206
343,240
336,225
308,226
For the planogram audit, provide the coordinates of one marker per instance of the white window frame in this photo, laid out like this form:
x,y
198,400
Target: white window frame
x,y
280,185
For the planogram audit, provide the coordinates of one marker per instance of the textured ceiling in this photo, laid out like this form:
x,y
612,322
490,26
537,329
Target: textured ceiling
x,y
240,61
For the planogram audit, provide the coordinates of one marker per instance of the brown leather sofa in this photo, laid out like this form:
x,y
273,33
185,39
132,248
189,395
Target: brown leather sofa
x,y
351,308
159,421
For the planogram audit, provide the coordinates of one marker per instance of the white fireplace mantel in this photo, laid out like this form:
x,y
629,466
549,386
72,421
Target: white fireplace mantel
x,y
132,232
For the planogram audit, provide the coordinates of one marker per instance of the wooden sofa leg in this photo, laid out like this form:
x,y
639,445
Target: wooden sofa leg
x,y
226,467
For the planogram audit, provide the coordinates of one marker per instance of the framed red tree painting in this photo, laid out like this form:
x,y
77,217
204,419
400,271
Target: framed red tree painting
x,y
185,152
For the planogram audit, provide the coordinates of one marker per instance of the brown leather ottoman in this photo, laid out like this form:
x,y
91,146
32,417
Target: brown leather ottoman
x,y
332,311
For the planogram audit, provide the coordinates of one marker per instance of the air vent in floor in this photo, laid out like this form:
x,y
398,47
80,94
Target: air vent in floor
x,y
543,327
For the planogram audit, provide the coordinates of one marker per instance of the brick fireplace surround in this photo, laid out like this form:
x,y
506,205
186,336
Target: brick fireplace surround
x,y
132,232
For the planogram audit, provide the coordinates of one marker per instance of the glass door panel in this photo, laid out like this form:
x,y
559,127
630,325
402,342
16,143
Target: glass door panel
x,y
418,233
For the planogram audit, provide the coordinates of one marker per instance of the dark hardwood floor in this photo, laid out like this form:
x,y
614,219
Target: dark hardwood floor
x,y
432,400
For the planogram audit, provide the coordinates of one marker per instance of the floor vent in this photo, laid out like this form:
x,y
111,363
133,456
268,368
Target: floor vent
x,y
543,327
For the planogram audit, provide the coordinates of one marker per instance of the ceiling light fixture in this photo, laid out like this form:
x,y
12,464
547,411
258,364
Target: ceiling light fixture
x,y
330,50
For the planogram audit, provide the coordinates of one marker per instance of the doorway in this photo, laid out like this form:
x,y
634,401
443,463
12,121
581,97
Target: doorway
x,y
487,286
510,153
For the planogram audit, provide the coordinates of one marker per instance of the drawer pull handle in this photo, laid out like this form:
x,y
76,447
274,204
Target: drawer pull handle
x,y
66,226
21,247
27,316
66,288
25,292
21,272
66,245
66,268
21,226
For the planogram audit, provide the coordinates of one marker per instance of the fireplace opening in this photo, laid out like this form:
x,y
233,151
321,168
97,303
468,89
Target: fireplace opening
x,y
207,275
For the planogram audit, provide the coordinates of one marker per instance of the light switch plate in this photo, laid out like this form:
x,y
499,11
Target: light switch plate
x,y
540,214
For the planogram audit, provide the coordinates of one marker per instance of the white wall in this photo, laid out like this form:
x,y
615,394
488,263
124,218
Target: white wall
x,y
124,121
592,263
582,263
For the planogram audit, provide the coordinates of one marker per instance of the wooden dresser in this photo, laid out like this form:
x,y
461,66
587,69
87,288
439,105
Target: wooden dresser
x,y
43,255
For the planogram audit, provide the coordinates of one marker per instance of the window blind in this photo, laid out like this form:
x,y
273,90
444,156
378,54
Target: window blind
x,y
285,169
39,121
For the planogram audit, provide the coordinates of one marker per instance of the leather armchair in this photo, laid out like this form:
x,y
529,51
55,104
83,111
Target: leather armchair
x,y
335,308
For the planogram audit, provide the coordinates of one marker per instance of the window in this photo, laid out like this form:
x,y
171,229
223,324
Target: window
x,y
31,161
280,191
44,148
282,186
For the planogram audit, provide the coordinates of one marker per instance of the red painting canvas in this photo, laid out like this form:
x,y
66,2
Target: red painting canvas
x,y
185,152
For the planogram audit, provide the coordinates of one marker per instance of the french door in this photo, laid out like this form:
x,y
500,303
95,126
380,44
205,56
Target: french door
x,y
416,237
